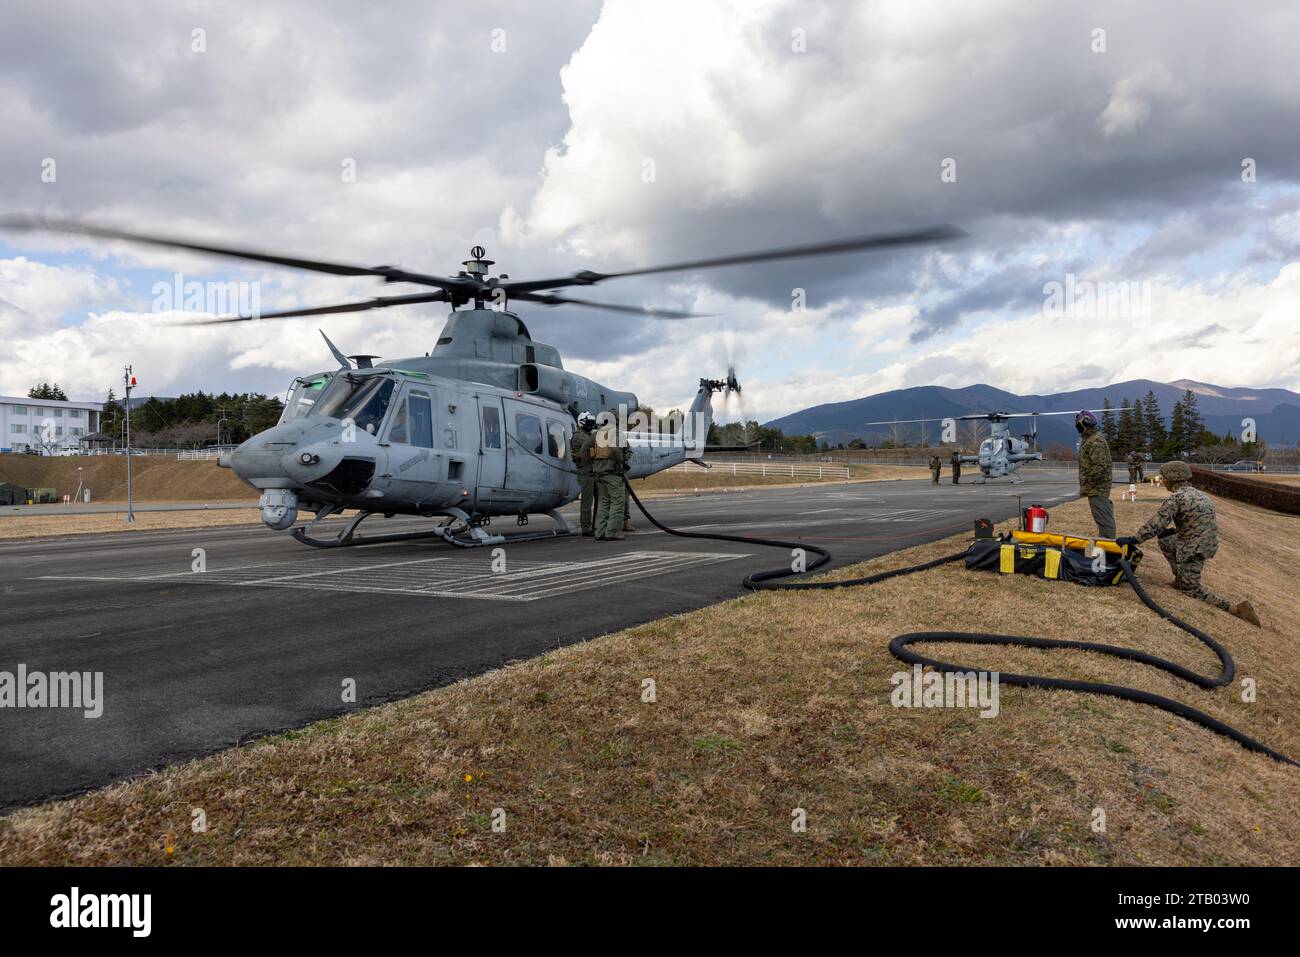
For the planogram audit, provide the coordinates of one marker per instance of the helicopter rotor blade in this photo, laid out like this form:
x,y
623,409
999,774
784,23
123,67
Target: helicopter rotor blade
x,y
379,302
20,221
549,300
933,418
934,234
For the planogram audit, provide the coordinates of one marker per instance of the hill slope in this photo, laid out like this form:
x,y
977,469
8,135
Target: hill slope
x,y
154,478
764,705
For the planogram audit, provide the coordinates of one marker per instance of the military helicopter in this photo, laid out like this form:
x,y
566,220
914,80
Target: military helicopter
x,y
1001,453
475,429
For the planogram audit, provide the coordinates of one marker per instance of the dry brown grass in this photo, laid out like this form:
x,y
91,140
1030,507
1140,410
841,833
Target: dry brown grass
x,y
28,525
766,704
163,478
154,478
1280,478
696,479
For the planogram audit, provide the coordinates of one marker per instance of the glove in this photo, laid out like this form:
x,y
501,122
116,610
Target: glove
x,y
1128,540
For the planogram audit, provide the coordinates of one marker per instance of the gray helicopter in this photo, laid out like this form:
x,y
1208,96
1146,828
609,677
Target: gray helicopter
x,y
475,429
1001,454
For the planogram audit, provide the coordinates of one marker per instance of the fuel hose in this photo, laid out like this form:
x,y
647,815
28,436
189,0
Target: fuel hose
x,y
901,645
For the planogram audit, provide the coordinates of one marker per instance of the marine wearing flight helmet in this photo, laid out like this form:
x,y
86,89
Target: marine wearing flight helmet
x,y
1195,541
583,442
1094,473
611,456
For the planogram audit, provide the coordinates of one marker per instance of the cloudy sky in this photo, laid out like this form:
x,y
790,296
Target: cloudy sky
x,y
1153,147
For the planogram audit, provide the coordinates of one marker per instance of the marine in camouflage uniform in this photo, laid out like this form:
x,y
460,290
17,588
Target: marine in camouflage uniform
x,y
611,455
1094,474
580,449
1194,541
935,468
1134,468
956,468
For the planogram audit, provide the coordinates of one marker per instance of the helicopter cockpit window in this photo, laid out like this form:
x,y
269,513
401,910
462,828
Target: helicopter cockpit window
x,y
363,399
302,396
397,432
528,430
555,440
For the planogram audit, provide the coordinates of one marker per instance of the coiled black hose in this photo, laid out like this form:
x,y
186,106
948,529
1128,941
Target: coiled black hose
x,y
899,646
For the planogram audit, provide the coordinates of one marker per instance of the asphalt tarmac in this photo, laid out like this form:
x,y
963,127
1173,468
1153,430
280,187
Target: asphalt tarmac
x,y
265,637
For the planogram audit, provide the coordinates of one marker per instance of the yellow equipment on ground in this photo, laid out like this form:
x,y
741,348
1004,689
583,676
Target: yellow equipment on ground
x,y
1053,556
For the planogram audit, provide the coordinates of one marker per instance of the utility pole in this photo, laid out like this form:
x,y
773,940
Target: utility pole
x,y
130,381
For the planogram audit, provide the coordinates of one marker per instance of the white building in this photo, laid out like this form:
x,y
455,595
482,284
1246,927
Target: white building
x,y
45,425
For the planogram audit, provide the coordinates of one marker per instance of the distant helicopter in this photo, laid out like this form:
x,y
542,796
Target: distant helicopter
x,y
475,429
1001,453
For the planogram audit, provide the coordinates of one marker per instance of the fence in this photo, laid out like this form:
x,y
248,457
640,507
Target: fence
x,y
209,453
767,468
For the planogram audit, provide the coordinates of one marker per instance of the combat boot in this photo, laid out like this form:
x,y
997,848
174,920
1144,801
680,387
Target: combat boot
x,y
1246,612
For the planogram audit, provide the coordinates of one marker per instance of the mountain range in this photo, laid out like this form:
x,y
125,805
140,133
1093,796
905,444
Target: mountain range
x,y
1276,411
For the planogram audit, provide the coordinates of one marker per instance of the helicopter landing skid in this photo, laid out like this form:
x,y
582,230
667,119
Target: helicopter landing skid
x,y
462,532
477,537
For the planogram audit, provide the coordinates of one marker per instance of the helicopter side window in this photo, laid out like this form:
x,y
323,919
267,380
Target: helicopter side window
x,y
528,430
420,413
491,428
555,440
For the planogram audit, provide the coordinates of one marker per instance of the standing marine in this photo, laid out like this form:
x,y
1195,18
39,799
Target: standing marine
x,y
580,449
1195,537
956,468
611,455
1094,473
1134,467
935,468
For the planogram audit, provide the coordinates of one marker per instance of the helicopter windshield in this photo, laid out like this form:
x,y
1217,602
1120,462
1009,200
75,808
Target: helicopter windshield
x,y
303,395
363,399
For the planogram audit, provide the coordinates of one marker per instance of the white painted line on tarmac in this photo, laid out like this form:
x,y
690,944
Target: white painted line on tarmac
x,y
441,577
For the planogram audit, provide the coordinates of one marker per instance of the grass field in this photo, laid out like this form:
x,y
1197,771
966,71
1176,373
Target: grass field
x,y
764,706
1280,478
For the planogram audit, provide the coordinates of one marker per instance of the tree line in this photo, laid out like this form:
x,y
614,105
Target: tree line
x,y
762,438
192,420
1140,426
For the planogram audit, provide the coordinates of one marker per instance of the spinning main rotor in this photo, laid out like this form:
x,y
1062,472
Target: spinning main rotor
x,y
473,284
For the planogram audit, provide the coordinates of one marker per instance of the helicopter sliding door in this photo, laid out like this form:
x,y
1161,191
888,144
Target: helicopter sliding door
x,y
538,471
491,478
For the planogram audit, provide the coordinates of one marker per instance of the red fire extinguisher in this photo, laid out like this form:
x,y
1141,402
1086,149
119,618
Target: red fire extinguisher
x,y
1036,518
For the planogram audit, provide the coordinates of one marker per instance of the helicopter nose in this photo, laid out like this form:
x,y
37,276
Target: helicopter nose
x,y
308,461
263,461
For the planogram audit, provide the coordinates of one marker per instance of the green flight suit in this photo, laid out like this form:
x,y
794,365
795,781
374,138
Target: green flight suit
x,y
611,456
580,449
